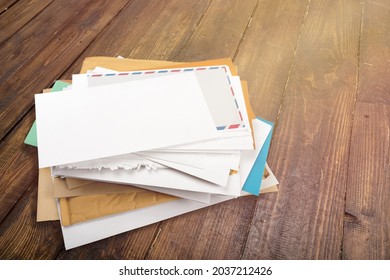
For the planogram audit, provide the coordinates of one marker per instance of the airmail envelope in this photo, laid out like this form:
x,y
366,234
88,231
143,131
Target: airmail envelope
x,y
215,82
225,101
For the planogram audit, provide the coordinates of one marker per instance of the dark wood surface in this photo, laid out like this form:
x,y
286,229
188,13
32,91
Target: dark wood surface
x,y
319,69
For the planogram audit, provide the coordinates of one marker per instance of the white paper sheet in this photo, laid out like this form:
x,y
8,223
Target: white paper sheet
x,y
270,181
121,118
235,164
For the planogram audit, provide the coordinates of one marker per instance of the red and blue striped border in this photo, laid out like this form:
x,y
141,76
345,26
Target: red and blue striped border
x,y
178,70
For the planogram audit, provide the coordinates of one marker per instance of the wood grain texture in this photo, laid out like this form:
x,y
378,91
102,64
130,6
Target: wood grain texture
x,y
147,30
309,152
132,245
16,93
21,237
18,15
142,23
220,31
6,4
374,67
18,166
305,71
366,219
367,211
171,30
19,161
267,50
22,47
217,232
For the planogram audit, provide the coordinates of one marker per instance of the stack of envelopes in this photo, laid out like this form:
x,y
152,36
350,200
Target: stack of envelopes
x,y
132,142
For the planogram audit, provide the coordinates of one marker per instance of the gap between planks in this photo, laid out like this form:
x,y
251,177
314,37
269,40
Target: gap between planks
x,y
348,216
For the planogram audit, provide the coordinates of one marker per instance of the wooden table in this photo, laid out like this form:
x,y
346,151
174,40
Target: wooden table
x,y
319,69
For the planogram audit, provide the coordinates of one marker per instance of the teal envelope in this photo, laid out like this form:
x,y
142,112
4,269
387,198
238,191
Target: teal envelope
x,y
253,182
31,138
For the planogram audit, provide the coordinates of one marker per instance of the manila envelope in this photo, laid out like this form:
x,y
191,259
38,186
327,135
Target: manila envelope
x,y
61,189
82,208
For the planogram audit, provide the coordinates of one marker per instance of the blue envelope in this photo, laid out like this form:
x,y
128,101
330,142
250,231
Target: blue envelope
x,y
253,182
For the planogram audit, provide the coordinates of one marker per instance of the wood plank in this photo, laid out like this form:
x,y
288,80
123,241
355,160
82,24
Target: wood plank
x,y
267,50
17,91
148,30
21,237
366,218
309,152
220,31
216,232
18,166
366,222
234,217
18,15
21,48
131,245
47,65
155,52
374,70
171,31
139,22
6,4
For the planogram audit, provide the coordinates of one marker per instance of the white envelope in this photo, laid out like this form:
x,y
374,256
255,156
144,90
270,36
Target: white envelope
x,y
163,178
270,181
121,118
